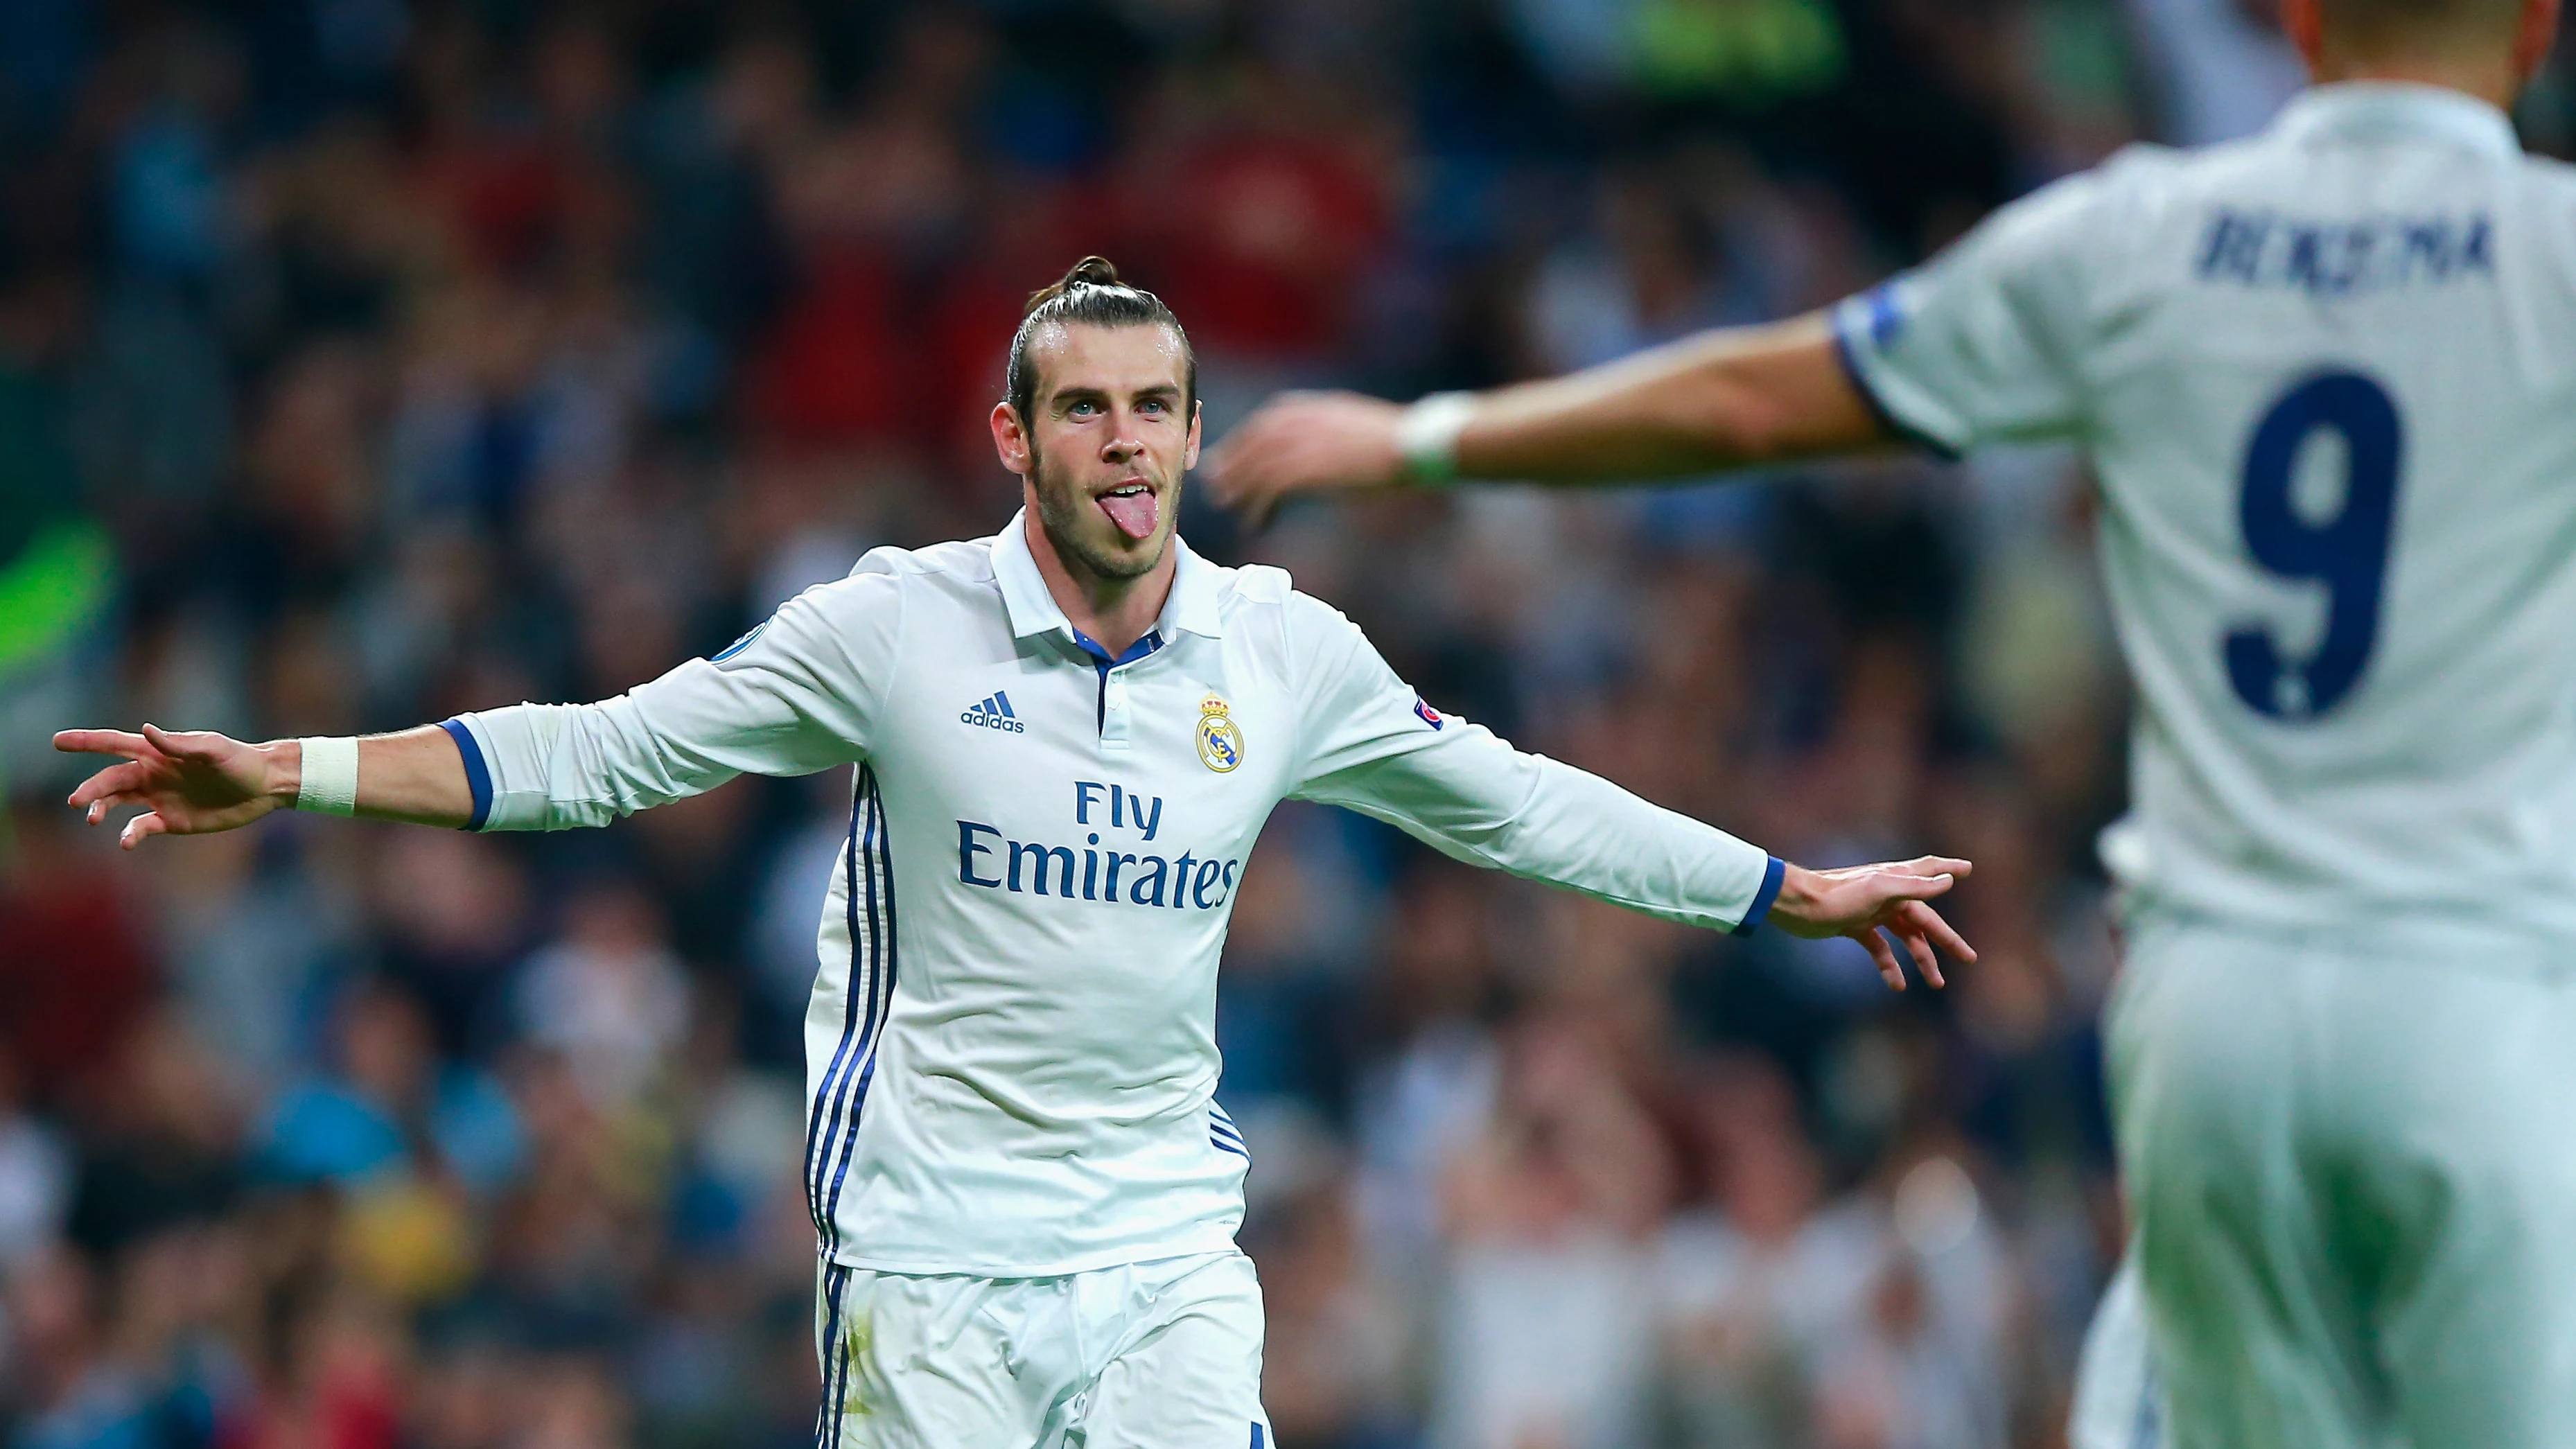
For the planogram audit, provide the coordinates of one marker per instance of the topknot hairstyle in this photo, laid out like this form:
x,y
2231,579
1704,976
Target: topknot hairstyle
x,y
1090,294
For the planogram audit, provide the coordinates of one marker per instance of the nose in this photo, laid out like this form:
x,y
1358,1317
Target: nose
x,y
1121,444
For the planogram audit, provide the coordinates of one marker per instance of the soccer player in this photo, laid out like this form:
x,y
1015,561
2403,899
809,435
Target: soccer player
x,y
2327,378
1066,737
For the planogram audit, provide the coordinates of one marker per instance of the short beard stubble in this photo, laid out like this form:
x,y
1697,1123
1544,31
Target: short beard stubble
x,y
1059,515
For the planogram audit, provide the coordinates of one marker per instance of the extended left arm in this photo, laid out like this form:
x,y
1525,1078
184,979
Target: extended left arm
x,y
1461,790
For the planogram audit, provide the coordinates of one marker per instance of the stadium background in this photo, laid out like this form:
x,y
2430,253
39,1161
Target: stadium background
x,y
366,360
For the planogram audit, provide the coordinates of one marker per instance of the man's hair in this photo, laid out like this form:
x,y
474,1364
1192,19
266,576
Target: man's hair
x,y
2387,25
1091,294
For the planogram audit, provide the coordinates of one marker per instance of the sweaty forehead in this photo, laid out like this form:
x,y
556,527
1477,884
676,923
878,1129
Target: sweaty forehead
x,y
1116,360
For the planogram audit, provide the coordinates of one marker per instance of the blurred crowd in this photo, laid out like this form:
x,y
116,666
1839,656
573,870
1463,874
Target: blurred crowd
x,y
362,361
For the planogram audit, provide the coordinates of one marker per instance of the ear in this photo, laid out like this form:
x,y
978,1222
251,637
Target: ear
x,y
2533,42
1010,440
2304,21
1190,457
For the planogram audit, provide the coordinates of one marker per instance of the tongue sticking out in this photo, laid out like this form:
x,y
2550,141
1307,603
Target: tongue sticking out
x,y
1133,513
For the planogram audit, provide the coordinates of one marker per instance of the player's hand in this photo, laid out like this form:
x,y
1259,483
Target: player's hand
x,y
1302,442
1862,901
191,783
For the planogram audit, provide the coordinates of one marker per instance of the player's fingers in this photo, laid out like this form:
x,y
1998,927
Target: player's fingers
x,y
1893,885
1241,485
1237,479
98,810
119,779
100,742
112,781
141,828
1924,961
1939,930
185,744
1880,952
1231,463
96,813
1941,865
1218,472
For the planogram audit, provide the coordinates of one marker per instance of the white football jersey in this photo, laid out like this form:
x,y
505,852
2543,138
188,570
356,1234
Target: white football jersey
x,y
2327,378
1011,1062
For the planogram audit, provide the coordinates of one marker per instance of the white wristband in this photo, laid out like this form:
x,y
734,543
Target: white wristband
x,y
329,784
1427,436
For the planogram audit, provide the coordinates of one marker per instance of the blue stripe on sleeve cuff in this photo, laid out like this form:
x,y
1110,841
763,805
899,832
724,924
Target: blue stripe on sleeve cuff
x,y
477,778
1772,875
1847,354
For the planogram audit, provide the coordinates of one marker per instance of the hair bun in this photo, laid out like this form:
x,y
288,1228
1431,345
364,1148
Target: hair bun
x,y
1089,272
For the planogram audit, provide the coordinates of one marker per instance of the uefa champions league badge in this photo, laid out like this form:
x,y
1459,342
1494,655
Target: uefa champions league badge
x,y
1220,743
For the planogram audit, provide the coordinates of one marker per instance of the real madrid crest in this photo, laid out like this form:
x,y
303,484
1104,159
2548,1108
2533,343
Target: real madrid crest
x,y
1220,743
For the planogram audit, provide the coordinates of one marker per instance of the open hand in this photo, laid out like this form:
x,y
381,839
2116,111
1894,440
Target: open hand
x,y
1301,442
191,783
1861,901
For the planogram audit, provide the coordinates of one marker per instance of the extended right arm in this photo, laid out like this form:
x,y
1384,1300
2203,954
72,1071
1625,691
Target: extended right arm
x,y
1728,398
196,782
795,696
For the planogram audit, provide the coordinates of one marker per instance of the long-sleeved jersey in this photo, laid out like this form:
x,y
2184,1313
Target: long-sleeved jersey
x,y
1011,1061
2327,376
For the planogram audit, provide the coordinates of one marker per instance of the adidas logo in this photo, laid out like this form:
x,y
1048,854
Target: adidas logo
x,y
993,712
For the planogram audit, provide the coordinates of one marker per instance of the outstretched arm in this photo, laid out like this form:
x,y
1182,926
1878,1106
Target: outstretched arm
x,y
197,782
1978,344
792,697
1371,745
1727,398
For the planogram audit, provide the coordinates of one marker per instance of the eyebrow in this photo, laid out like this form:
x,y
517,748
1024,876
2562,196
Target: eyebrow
x,y
1078,392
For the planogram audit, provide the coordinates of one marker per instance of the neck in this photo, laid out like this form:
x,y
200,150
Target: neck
x,y
1113,612
2492,79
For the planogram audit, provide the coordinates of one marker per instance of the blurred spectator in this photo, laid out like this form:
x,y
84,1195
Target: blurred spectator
x,y
74,972
1334,1356
161,1136
1651,271
35,1175
454,919
392,1107
255,945
1765,1279
1548,1324
608,995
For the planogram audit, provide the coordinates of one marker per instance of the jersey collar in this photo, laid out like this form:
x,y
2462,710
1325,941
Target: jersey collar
x,y
2397,110
1192,608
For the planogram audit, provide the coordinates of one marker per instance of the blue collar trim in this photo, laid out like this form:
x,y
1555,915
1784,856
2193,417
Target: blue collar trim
x,y
1152,641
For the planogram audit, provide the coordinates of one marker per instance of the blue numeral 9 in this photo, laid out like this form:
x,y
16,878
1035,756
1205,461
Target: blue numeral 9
x,y
2348,554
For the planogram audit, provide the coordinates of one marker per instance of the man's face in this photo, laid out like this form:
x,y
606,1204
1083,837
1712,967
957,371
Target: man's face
x,y
1110,432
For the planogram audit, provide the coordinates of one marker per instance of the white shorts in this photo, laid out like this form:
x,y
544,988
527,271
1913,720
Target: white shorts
x,y
2352,1164
1161,1355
